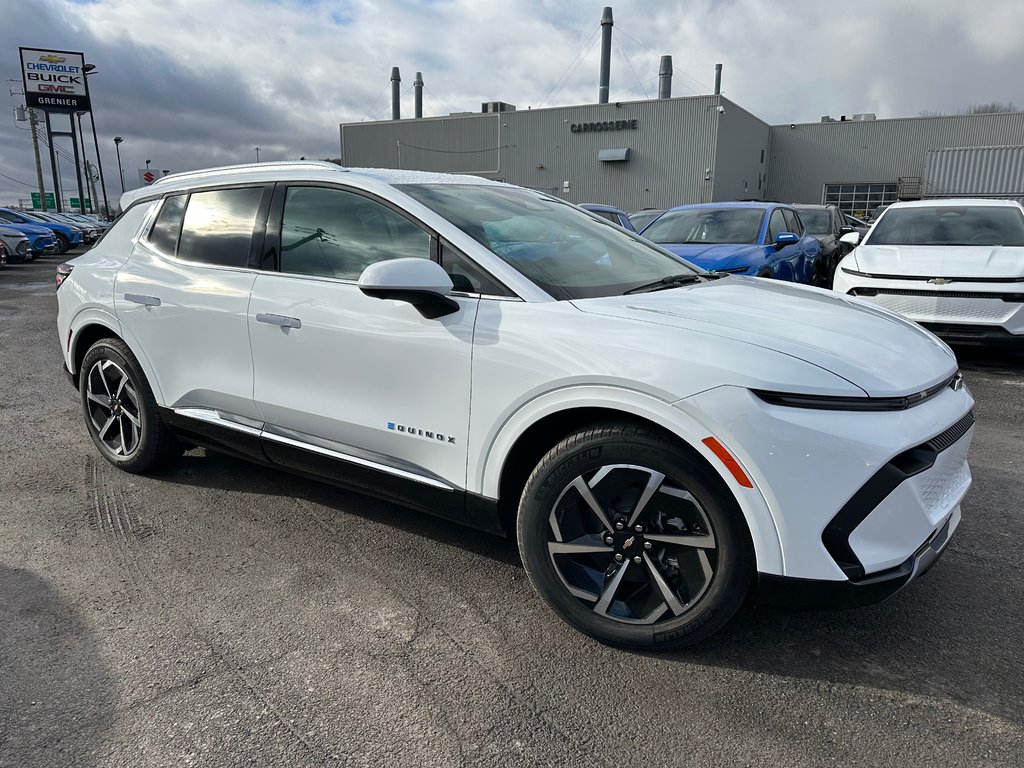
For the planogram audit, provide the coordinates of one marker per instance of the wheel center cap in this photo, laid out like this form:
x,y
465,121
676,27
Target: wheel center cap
x,y
629,543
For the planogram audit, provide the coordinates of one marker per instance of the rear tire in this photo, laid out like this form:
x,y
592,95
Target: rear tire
x,y
120,411
631,539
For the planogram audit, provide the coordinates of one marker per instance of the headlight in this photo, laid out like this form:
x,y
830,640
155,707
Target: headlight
x,y
733,270
849,271
834,403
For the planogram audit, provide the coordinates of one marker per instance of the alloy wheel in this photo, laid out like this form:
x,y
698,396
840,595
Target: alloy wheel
x,y
113,408
632,544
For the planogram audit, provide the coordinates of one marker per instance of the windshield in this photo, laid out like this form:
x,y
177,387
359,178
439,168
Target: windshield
x,y
950,225
707,225
556,245
815,220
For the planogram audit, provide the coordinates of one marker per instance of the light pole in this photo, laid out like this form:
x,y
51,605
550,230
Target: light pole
x,y
91,69
257,154
120,172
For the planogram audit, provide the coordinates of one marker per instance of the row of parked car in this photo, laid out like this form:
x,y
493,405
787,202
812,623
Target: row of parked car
x,y
799,243
27,235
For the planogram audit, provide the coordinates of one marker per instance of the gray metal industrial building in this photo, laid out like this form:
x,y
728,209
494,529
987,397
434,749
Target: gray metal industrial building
x,y
670,151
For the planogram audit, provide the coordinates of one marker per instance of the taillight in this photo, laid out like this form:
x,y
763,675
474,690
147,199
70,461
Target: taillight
x,y
62,274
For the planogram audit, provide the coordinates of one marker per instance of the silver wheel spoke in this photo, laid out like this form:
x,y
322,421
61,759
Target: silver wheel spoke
x,y
653,484
103,377
704,541
136,422
100,401
671,600
588,496
609,591
580,546
106,427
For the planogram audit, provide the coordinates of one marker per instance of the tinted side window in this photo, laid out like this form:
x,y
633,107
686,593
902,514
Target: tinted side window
x,y
334,233
164,235
218,226
776,225
793,222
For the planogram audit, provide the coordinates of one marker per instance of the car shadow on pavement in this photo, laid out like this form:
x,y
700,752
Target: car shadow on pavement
x,y
56,690
996,360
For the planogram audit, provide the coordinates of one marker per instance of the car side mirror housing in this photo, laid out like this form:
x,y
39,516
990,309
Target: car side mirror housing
x,y
786,238
420,282
851,239
845,230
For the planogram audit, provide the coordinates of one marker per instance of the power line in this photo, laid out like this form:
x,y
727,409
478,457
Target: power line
x,y
19,181
576,61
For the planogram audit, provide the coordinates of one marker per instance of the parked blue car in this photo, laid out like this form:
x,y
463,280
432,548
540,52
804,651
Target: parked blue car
x,y
67,236
744,238
40,239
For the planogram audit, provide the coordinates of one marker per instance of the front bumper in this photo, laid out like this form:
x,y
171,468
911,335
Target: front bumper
x,y
956,309
787,592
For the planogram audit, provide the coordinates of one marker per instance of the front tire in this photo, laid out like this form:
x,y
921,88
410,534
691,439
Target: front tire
x,y
631,539
120,410
62,244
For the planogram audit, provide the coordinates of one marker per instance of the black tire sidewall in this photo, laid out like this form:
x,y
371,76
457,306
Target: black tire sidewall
x,y
63,246
574,457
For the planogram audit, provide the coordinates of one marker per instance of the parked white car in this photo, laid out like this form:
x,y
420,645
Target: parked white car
x,y
955,266
659,439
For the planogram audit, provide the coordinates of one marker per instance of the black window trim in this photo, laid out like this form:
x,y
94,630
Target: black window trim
x,y
268,257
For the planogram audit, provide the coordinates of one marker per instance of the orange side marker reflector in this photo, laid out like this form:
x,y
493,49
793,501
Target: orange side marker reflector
x,y
730,463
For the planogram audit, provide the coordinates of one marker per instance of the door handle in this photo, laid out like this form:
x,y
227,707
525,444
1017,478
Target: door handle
x,y
146,301
281,320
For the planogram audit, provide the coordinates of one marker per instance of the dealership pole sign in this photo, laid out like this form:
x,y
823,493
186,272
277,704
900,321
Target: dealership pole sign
x,y
54,80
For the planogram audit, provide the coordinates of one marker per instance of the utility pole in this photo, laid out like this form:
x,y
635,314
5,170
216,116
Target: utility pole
x,y
34,122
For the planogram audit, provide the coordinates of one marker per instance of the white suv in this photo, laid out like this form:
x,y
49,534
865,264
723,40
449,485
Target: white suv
x,y
659,439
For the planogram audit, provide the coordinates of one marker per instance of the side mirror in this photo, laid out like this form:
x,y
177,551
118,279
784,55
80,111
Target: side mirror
x,y
421,282
786,238
851,239
845,230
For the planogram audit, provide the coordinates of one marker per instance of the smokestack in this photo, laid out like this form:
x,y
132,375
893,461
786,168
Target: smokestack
x,y
396,94
718,79
417,86
665,78
606,54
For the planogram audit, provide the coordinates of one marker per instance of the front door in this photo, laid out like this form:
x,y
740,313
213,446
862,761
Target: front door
x,y
340,376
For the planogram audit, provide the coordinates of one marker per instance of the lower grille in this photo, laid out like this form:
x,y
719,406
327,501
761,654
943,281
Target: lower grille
x,y
1016,298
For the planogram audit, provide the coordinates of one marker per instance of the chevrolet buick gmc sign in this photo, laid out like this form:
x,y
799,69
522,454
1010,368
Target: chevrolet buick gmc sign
x,y
54,80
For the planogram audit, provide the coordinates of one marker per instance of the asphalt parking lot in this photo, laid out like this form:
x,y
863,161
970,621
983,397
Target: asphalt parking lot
x,y
222,614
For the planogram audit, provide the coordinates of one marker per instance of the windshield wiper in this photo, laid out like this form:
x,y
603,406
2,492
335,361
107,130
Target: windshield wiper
x,y
672,281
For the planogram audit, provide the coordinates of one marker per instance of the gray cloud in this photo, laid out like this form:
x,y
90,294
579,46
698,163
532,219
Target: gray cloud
x,y
190,84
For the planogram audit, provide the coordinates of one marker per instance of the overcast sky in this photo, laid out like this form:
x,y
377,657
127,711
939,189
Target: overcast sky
x,y
193,83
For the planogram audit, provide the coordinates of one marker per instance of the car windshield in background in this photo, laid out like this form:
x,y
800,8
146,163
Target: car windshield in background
x,y
707,225
815,220
950,225
556,245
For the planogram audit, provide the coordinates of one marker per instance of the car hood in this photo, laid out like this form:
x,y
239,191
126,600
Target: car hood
x,y
941,261
874,349
715,255
10,232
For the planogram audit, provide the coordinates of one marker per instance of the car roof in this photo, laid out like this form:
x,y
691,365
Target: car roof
x,y
366,178
732,204
958,202
602,207
811,207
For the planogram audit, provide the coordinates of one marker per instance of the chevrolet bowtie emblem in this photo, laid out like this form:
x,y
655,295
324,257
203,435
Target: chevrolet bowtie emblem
x,y
628,542
52,59
939,281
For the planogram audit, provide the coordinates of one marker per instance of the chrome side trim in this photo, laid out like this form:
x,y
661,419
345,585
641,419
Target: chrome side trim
x,y
217,418
346,457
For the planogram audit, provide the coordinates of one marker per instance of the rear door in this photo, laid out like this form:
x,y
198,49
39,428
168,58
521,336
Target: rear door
x,y
183,298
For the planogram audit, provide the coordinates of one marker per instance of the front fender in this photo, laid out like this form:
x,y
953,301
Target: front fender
x,y
685,424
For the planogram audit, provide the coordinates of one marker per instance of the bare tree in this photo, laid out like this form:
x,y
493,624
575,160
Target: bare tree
x,y
991,108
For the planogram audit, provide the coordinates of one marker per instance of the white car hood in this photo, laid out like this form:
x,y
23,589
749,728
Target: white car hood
x,y
874,349
940,261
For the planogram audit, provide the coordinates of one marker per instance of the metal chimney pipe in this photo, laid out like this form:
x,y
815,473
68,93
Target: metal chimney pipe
x,y
606,54
665,78
718,79
396,94
417,86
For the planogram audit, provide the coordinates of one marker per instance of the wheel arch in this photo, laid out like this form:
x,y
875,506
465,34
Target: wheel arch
x,y
89,327
518,449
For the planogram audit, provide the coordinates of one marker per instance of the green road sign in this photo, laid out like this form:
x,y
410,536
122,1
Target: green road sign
x,y
49,201
76,203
